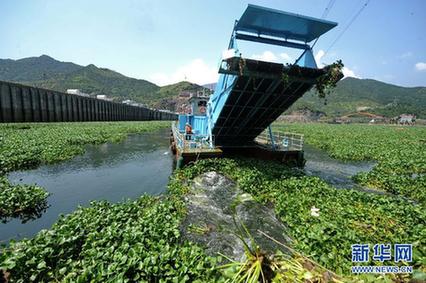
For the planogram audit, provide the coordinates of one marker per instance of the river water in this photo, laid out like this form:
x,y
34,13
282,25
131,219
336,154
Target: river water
x,y
141,164
335,172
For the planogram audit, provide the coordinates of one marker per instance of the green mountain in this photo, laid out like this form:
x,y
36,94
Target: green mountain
x,y
167,97
349,96
352,95
34,68
169,91
49,73
91,79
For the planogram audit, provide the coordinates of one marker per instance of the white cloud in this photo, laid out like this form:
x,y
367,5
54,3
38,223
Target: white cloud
x,y
197,71
229,53
287,58
349,73
421,66
319,56
406,55
332,55
267,56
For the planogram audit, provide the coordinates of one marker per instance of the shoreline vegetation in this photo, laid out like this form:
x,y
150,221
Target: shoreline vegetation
x,y
141,240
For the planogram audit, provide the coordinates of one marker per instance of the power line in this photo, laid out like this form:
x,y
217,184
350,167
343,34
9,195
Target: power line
x,y
327,9
324,15
347,27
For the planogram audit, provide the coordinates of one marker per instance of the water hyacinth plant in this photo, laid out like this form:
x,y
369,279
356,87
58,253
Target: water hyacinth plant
x,y
399,151
141,241
23,201
133,241
345,216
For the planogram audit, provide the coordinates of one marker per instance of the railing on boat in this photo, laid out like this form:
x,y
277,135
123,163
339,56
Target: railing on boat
x,y
282,141
192,142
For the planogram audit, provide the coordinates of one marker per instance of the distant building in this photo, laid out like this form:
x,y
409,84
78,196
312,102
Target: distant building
x,y
73,91
211,86
77,92
104,97
340,120
132,103
166,111
378,119
406,119
200,93
203,93
185,94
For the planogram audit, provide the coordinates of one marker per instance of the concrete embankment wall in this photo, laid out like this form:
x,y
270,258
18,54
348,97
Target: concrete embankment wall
x,y
20,103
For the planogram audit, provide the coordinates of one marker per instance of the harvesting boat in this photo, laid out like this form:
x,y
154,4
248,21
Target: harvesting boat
x,y
251,94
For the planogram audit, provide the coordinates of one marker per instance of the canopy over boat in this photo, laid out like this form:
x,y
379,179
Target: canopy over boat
x,y
270,22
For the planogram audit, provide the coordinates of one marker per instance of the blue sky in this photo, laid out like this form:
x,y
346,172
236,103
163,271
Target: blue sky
x,y
168,41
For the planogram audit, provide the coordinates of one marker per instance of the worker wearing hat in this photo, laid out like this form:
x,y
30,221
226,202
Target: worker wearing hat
x,y
188,131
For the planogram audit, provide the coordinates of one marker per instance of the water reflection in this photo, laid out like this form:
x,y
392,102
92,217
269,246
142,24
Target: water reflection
x,y
27,214
335,172
112,172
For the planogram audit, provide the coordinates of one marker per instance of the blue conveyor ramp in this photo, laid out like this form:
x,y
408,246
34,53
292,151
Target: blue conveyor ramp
x,y
251,94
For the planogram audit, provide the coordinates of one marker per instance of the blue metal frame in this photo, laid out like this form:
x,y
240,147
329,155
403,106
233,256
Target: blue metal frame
x,y
266,26
307,59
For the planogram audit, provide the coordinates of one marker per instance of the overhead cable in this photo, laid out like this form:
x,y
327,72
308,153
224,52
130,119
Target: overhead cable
x,y
348,25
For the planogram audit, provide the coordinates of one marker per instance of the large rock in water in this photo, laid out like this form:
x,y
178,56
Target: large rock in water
x,y
216,210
